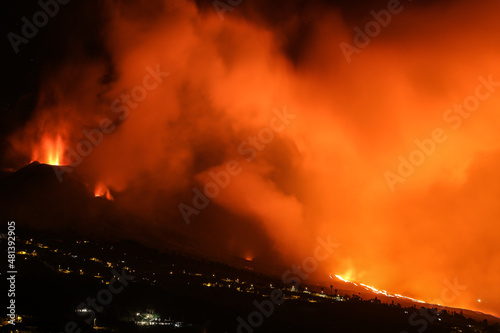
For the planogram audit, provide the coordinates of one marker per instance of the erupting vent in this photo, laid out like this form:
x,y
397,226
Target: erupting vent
x,y
49,151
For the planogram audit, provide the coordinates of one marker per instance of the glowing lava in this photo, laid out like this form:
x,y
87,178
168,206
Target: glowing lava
x,y
377,291
50,151
101,190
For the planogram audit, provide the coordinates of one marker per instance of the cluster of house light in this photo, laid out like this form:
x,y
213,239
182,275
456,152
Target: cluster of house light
x,y
151,319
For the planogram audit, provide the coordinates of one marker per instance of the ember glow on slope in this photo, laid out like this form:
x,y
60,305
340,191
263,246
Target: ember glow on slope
x,y
322,175
381,292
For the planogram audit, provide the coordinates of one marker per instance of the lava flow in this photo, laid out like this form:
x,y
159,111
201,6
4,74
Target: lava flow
x,y
377,291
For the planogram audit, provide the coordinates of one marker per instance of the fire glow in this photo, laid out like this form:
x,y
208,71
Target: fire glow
x,y
101,190
380,292
49,151
324,172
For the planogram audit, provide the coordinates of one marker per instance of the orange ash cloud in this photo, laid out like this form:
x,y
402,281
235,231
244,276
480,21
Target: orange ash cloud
x,y
324,174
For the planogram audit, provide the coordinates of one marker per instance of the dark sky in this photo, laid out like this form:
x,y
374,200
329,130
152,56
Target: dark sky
x,y
77,28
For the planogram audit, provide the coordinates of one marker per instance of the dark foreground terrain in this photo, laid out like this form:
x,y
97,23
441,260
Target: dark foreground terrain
x,y
68,285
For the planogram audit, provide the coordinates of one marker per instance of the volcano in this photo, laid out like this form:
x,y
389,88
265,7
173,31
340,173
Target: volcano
x,y
260,133
35,195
